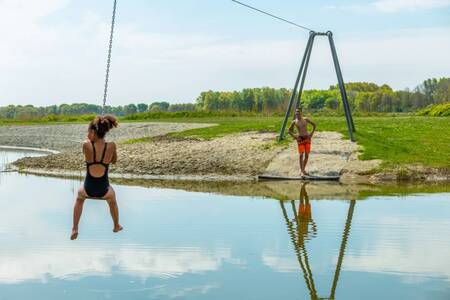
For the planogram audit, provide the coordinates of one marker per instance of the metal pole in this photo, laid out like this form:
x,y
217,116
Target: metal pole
x,y
348,113
302,83
339,74
294,91
348,224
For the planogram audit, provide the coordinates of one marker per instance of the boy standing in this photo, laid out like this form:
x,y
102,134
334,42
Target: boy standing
x,y
303,138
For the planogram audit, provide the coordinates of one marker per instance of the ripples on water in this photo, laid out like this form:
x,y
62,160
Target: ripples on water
x,y
186,245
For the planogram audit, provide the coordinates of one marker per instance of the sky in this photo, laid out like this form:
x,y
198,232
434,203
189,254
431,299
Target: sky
x,y
54,51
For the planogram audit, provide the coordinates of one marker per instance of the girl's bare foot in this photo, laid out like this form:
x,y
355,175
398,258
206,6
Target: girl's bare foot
x,y
117,228
74,234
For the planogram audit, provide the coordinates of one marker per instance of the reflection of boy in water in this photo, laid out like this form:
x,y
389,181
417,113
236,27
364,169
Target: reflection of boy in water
x,y
304,215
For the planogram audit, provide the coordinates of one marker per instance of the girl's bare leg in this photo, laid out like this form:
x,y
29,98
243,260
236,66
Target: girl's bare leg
x,y
110,197
77,211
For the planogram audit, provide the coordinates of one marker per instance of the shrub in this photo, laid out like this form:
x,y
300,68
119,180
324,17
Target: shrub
x,y
438,110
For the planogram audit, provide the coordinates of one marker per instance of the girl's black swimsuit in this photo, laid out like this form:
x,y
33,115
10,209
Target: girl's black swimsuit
x,y
97,187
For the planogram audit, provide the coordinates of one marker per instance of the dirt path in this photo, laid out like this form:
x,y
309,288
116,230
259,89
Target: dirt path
x,y
330,156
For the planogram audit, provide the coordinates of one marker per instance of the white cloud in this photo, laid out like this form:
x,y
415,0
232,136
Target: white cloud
x,y
393,6
30,10
400,5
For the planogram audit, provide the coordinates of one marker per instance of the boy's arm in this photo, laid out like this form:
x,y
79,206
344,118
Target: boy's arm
x,y
314,127
291,131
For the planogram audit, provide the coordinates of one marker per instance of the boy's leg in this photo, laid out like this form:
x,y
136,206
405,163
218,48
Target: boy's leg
x,y
305,161
307,151
77,211
302,164
301,151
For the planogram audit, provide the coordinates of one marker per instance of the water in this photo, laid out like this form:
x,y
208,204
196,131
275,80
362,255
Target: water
x,y
191,245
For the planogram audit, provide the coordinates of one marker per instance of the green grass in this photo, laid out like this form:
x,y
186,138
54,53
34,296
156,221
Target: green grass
x,y
405,140
395,140
49,120
227,126
138,140
402,189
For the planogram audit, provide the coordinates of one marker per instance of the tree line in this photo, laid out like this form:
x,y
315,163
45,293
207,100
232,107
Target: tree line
x,y
30,112
363,97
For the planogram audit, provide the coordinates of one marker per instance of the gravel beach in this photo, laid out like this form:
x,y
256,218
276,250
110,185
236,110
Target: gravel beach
x,y
233,157
69,136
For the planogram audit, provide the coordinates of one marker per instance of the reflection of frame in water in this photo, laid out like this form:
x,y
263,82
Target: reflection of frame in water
x,y
299,231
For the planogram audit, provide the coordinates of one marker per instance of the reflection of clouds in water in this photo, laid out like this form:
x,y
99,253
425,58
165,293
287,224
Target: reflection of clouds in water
x,y
420,251
31,217
82,262
283,264
288,263
163,291
414,262
412,249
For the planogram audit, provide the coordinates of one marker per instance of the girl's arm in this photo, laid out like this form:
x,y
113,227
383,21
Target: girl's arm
x,y
85,149
114,158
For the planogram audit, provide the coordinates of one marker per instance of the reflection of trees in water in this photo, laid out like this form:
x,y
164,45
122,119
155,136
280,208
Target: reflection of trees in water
x,y
302,228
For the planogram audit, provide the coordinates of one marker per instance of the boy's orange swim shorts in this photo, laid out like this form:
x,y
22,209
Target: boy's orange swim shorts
x,y
304,145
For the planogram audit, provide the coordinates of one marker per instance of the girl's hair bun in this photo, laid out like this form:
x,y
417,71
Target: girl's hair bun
x,y
103,124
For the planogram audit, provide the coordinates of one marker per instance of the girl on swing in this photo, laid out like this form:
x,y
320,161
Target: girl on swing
x,y
98,155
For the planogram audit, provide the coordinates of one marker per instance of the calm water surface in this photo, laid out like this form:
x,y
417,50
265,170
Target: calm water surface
x,y
185,245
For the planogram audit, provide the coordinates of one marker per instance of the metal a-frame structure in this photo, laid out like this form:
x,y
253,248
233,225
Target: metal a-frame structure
x,y
300,82
297,92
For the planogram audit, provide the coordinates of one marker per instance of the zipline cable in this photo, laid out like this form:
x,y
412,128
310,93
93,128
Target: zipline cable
x,y
272,15
108,64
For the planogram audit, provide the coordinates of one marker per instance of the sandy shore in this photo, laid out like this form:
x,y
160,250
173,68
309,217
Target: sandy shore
x,y
238,157
231,158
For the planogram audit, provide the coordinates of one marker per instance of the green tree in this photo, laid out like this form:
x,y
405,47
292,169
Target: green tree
x,y
130,109
142,107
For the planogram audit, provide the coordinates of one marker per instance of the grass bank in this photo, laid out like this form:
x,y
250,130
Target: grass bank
x,y
396,140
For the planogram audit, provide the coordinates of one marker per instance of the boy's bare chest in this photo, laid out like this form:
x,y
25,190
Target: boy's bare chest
x,y
301,124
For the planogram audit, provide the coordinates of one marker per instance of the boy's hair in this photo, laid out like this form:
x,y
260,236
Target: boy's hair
x,y
102,124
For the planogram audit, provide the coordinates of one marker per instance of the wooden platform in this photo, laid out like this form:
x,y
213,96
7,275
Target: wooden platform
x,y
304,178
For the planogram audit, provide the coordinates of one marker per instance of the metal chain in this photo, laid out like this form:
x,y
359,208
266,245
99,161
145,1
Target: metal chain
x,y
108,64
